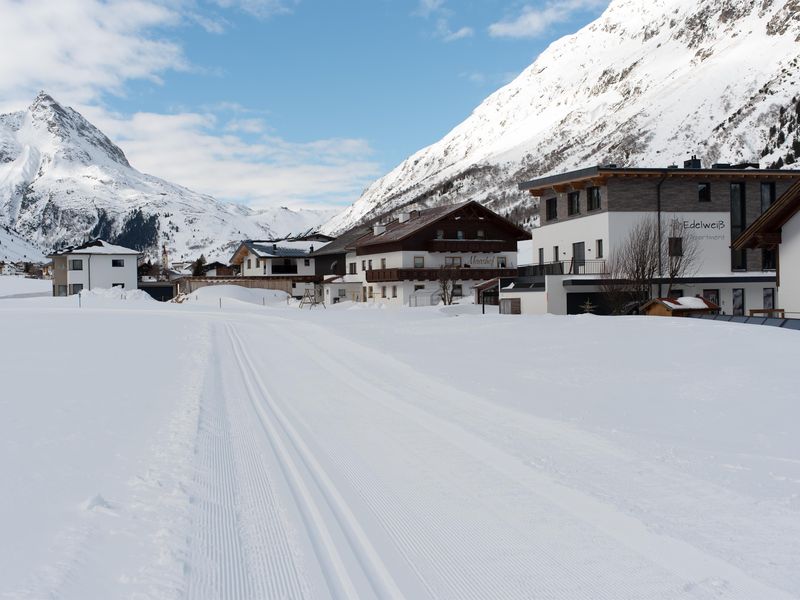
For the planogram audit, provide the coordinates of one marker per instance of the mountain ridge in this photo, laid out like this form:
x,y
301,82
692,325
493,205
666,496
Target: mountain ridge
x,y
646,84
63,180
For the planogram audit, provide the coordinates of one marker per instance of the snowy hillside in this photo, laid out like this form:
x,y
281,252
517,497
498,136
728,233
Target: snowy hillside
x,y
647,84
265,452
14,247
62,180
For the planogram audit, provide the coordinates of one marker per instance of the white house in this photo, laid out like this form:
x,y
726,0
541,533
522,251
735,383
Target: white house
x,y
778,230
401,262
94,265
586,215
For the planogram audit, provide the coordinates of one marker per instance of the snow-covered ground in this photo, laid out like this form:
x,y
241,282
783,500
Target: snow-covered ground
x,y
17,286
167,451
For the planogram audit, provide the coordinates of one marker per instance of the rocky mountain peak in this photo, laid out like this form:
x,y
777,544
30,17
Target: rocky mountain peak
x,y
76,138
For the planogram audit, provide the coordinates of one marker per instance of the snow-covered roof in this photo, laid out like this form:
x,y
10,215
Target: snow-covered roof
x,y
277,249
685,303
95,247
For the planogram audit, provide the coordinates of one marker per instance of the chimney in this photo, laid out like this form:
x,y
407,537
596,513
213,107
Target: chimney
x,y
693,163
311,250
274,247
404,216
378,229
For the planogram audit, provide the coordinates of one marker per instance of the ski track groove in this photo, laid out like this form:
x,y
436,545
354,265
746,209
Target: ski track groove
x,y
740,584
242,550
287,442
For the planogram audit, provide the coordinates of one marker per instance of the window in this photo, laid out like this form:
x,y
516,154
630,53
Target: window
x,y
481,234
541,256
458,290
459,235
117,262
419,262
738,301
440,234
593,198
769,297
383,263
598,249
369,265
119,285
738,224
704,192
258,263
556,255
573,203
394,291
768,262
551,205
369,291
76,264
501,262
352,268
61,290
341,292
363,265
675,246
249,263
383,291
767,195
452,261
711,296
307,262
75,288
418,288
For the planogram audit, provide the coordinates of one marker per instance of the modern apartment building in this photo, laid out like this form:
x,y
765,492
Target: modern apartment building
x,y
93,265
585,216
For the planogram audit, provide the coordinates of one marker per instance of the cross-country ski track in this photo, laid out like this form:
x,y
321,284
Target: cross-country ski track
x,y
323,464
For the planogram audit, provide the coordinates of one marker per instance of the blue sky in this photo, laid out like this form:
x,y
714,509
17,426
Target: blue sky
x,y
291,102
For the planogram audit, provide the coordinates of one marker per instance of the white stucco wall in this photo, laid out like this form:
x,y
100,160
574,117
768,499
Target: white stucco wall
x,y
789,256
97,272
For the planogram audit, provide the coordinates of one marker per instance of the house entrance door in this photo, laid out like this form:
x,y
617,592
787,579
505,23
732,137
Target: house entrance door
x,y
578,257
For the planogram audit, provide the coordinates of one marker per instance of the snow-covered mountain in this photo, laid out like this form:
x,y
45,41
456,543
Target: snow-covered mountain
x,y
15,248
648,83
62,180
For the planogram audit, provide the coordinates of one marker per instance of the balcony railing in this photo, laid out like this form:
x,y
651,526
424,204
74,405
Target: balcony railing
x,y
463,273
567,267
474,245
284,269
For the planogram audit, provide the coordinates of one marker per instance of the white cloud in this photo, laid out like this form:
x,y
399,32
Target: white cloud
x,y
78,49
187,149
259,8
437,8
535,21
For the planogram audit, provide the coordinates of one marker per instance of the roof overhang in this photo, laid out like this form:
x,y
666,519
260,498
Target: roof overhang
x,y
765,232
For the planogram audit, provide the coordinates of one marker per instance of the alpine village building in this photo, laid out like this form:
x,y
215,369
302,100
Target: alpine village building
x,y
402,262
585,215
93,265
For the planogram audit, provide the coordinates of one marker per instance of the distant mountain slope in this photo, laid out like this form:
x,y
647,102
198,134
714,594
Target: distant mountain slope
x,y
15,248
647,84
62,180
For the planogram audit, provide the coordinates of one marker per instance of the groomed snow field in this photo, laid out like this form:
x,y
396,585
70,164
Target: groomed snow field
x,y
258,451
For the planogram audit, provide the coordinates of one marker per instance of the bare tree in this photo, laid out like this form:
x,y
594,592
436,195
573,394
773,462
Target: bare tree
x,y
447,277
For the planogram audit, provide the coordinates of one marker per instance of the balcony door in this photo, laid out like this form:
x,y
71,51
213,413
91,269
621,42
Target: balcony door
x,y
578,257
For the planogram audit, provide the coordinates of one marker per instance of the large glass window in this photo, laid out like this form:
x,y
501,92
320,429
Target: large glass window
x,y
704,192
352,268
75,288
738,301
769,297
738,224
593,198
573,203
767,195
551,208
76,264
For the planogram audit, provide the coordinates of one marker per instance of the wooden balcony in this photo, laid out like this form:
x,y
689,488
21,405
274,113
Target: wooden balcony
x,y
462,273
476,246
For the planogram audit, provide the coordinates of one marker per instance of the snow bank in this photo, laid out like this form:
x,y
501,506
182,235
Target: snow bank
x,y
211,295
16,286
103,296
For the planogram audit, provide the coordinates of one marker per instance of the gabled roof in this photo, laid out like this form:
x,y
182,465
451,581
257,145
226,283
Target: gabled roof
x,y
397,231
275,249
94,247
344,242
770,222
684,303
